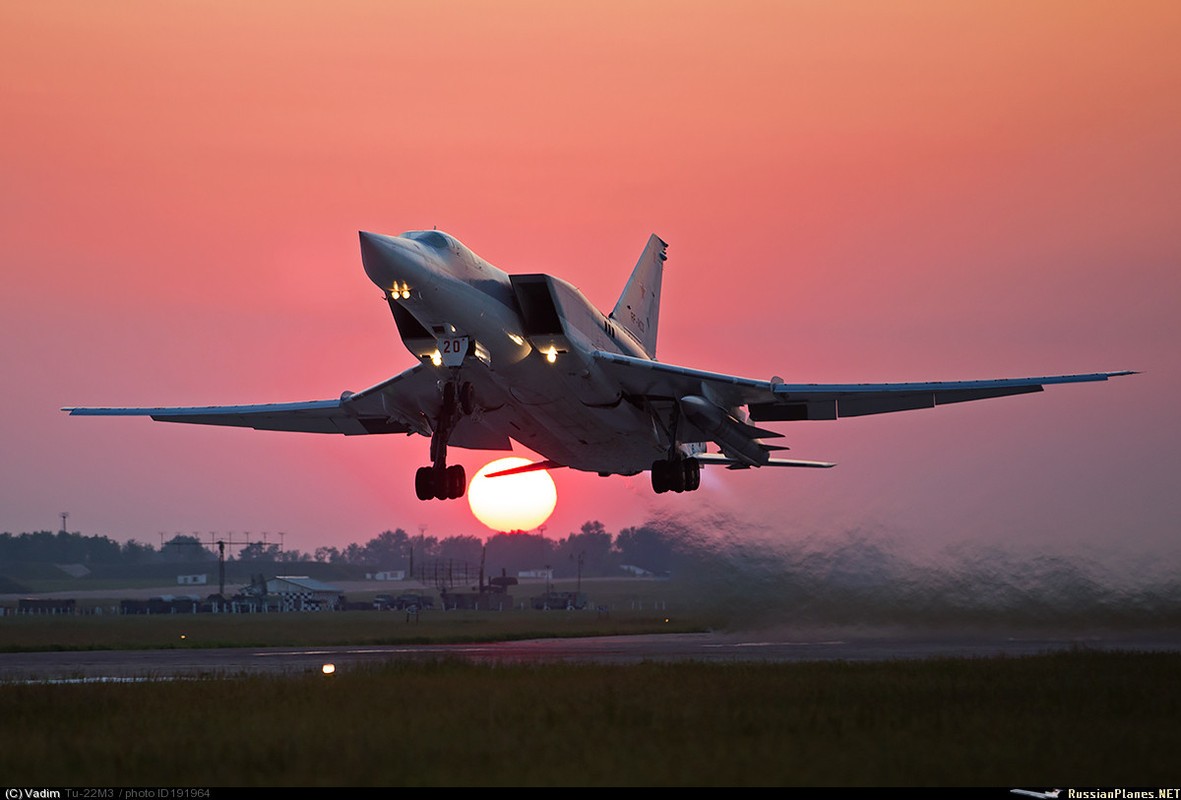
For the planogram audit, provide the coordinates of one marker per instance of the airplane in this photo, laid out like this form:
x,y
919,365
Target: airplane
x,y
1050,795
527,358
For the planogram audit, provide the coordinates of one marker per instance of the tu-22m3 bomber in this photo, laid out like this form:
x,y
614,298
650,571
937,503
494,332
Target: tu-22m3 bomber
x,y
527,358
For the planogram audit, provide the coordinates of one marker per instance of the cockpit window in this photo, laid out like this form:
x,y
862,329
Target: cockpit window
x,y
435,239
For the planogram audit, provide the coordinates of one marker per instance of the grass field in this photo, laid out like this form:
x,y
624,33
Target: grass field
x,y
1069,719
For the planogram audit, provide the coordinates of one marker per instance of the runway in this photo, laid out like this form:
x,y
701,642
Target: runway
x,y
783,647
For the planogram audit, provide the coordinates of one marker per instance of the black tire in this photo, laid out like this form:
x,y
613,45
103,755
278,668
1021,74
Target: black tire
x,y
676,476
692,469
660,475
424,483
456,481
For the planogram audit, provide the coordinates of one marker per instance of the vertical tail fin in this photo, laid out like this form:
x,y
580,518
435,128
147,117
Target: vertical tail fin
x,y
638,308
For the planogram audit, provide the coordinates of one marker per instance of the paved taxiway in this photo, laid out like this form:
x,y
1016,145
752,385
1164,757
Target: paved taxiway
x,y
715,648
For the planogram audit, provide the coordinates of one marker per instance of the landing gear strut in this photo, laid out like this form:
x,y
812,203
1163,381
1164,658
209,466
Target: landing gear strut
x,y
439,481
676,475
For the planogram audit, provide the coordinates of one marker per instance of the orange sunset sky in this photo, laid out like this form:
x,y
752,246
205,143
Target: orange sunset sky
x,y
851,191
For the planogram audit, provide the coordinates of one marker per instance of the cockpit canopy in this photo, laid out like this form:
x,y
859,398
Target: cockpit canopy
x,y
435,239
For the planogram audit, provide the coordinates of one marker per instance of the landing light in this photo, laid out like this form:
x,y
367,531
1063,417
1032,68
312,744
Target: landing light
x,y
551,355
437,358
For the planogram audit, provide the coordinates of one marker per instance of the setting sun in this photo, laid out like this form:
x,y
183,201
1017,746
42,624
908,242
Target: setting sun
x,y
513,502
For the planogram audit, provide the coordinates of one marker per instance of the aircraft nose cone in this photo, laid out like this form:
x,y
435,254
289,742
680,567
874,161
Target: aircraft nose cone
x,y
393,262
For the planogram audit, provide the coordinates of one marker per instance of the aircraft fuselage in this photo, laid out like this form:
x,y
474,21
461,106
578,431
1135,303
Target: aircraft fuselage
x,y
524,342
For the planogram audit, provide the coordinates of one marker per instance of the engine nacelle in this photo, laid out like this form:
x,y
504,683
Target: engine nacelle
x,y
729,434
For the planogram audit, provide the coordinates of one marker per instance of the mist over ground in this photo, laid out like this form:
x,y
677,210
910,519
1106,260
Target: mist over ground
x,y
873,578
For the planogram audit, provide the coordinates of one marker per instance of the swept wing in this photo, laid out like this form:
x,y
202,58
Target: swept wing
x,y
775,400
406,403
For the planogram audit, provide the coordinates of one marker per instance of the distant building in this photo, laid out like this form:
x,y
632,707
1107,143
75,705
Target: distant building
x,y
548,574
639,572
163,604
301,593
46,605
192,580
388,575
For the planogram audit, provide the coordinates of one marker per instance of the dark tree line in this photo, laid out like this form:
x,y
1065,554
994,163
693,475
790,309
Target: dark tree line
x,y
592,551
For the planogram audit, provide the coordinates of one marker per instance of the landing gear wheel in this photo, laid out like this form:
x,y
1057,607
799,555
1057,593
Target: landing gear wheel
x,y
424,483
679,475
455,482
660,476
676,476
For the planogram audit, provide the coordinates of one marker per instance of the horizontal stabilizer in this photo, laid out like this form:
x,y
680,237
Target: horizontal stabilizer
x,y
534,467
733,463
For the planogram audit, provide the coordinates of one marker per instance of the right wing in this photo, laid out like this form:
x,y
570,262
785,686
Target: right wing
x,y
406,403
707,399
770,401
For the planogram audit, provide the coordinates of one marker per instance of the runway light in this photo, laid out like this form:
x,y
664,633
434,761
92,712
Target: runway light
x,y
183,636
328,669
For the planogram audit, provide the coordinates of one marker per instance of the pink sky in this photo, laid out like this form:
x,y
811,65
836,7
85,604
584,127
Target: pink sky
x,y
851,191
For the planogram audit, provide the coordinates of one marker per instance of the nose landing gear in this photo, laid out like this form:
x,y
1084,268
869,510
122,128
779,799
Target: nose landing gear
x,y
439,481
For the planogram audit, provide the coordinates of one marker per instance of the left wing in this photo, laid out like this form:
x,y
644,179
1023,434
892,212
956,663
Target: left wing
x,y
406,403
776,401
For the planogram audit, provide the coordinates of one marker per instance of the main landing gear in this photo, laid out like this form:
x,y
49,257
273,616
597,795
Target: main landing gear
x,y
676,475
439,481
